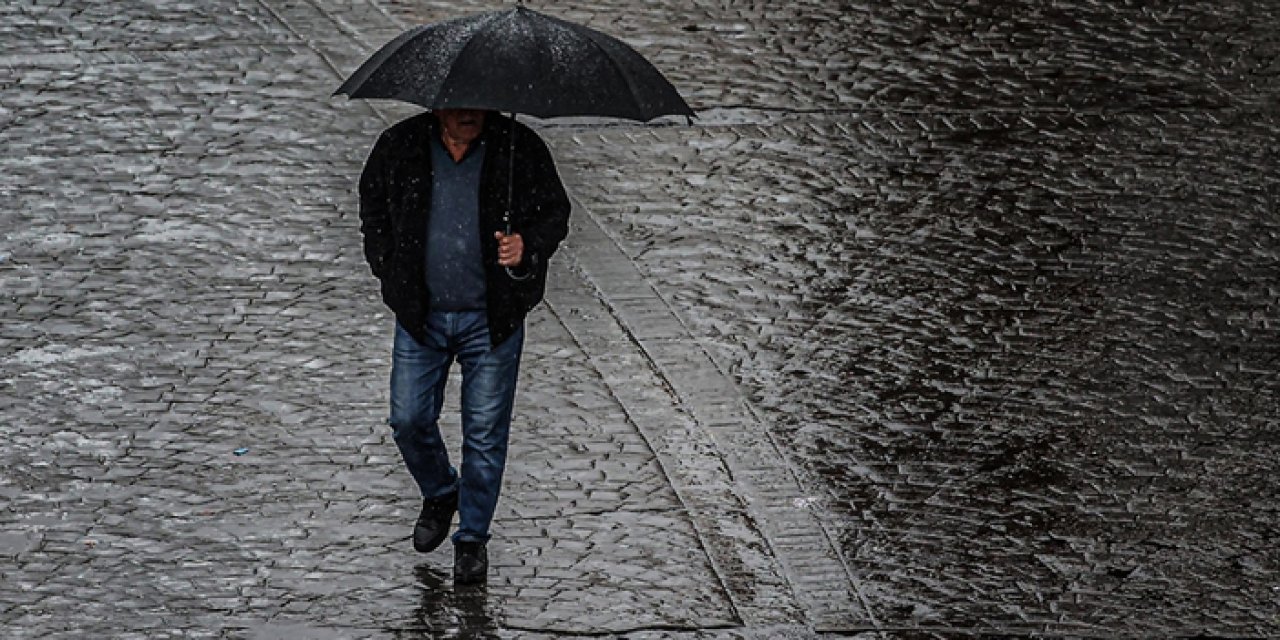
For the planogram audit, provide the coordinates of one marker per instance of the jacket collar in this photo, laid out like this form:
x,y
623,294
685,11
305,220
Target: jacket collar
x,y
418,135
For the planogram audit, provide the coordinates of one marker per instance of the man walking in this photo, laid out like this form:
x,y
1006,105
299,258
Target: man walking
x,y
460,278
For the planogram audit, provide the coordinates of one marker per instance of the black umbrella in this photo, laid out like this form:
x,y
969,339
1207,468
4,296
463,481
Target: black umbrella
x,y
520,61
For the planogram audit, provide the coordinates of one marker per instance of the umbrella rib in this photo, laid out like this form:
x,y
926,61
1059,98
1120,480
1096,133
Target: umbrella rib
x,y
631,87
370,66
493,17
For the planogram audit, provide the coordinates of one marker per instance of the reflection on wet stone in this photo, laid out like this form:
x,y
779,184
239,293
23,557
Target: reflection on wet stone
x,y
446,611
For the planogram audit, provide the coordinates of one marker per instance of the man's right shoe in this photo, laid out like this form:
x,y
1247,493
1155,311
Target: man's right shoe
x,y
470,563
433,523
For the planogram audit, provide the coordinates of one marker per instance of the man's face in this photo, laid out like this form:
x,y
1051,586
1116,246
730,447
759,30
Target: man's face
x,y
461,125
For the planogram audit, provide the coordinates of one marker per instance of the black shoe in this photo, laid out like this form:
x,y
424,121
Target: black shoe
x,y
470,563
433,523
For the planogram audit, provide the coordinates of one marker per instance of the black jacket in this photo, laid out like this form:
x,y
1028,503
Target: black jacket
x,y
395,198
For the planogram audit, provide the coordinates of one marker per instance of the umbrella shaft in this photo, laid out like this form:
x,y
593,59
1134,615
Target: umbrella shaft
x,y
511,171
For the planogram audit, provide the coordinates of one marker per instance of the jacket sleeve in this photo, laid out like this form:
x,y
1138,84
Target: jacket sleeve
x,y
375,219
545,219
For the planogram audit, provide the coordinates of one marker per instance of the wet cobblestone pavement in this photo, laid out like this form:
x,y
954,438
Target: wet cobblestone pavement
x,y
943,319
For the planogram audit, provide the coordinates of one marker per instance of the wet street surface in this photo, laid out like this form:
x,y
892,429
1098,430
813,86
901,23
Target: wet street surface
x,y
943,319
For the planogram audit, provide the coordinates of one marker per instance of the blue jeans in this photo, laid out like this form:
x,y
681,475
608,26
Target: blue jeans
x,y
418,375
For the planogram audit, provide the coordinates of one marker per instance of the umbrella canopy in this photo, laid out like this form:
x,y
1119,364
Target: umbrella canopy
x,y
520,61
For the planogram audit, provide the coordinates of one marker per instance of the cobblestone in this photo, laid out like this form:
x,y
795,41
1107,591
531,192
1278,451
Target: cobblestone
x,y
1023,317
985,323
944,318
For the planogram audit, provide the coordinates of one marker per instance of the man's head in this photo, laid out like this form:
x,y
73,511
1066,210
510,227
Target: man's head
x,y
461,125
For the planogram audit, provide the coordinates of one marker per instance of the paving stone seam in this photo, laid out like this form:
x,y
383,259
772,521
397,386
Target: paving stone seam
x,y
392,18
400,24
583,512
695,470
662,466
307,41
310,44
564,632
761,504
754,415
346,28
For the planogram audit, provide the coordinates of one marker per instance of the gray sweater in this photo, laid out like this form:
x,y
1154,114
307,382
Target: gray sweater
x,y
455,269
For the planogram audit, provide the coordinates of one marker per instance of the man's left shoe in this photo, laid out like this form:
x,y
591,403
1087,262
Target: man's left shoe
x,y
432,526
470,563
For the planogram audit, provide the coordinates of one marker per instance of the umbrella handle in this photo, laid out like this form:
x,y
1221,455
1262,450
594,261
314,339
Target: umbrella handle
x,y
511,181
